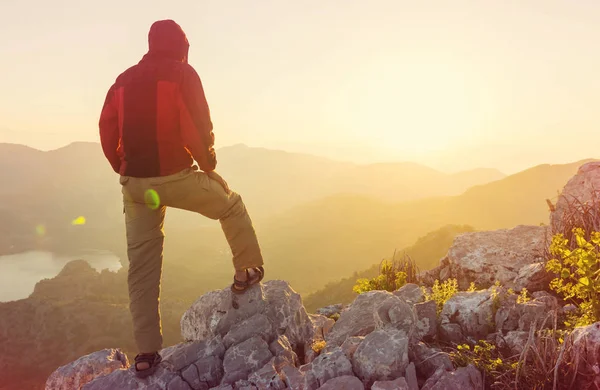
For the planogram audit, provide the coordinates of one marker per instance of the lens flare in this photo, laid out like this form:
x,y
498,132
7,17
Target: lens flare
x,y
78,221
40,230
152,199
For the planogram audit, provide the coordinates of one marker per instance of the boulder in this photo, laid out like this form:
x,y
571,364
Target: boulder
x,y
382,356
472,312
244,359
585,355
411,293
489,256
326,367
347,382
85,369
464,378
221,312
427,320
580,190
331,310
427,360
371,310
398,384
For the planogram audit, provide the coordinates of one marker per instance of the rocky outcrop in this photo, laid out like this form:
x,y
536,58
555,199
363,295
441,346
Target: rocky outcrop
x,y
87,368
585,355
495,256
581,192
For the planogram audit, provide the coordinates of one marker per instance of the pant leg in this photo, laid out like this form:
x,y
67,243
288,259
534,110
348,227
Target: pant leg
x,y
195,191
145,238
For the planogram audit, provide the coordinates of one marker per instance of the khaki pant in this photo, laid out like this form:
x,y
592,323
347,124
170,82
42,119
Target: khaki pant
x,y
145,202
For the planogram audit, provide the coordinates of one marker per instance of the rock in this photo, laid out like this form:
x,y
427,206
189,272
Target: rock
x,y
210,370
126,379
283,349
411,293
222,387
325,367
464,378
472,311
245,358
267,378
293,378
331,310
516,340
190,375
257,325
85,369
427,320
581,189
182,355
428,360
343,382
351,345
411,377
533,277
216,314
177,383
539,311
323,325
585,354
489,256
374,309
382,356
398,384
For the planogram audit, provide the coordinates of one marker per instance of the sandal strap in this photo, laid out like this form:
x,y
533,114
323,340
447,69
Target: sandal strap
x,y
150,358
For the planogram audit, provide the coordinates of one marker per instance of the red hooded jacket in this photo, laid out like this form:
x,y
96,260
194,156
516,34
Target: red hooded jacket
x,y
155,120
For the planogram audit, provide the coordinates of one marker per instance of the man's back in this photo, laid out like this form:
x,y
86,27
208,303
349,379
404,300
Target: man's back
x,y
155,120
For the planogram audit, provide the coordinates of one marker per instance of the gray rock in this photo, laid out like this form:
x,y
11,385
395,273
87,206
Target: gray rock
x,y
533,277
178,384
126,379
283,349
585,354
398,384
411,293
245,358
368,311
267,378
87,368
464,378
451,333
190,375
427,320
343,382
293,378
210,370
580,189
325,367
329,311
216,312
323,325
472,311
382,356
489,256
182,355
222,387
411,377
428,360
257,325
516,340
350,346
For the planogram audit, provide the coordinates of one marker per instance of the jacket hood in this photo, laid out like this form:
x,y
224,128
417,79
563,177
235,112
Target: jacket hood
x,y
166,39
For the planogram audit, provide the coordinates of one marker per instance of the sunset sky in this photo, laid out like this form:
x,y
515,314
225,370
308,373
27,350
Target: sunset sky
x,y
451,84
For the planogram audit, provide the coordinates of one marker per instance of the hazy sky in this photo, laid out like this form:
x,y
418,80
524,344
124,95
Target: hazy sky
x,y
453,84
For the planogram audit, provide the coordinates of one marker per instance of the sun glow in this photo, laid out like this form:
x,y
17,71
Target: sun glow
x,y
422,107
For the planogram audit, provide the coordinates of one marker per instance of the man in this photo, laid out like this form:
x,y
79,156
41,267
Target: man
x,y
154,123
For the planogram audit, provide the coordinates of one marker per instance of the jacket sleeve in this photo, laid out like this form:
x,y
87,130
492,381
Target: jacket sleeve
x,y
109,130
196,124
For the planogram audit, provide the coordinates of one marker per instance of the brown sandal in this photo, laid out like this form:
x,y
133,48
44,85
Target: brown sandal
x,y
240,287
153,359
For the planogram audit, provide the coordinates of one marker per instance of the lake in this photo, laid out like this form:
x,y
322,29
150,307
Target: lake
x,y
20,272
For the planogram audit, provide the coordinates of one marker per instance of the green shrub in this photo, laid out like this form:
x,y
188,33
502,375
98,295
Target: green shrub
x,y
577,274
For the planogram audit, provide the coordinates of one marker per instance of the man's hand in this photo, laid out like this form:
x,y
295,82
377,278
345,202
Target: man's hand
x,y
215,176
